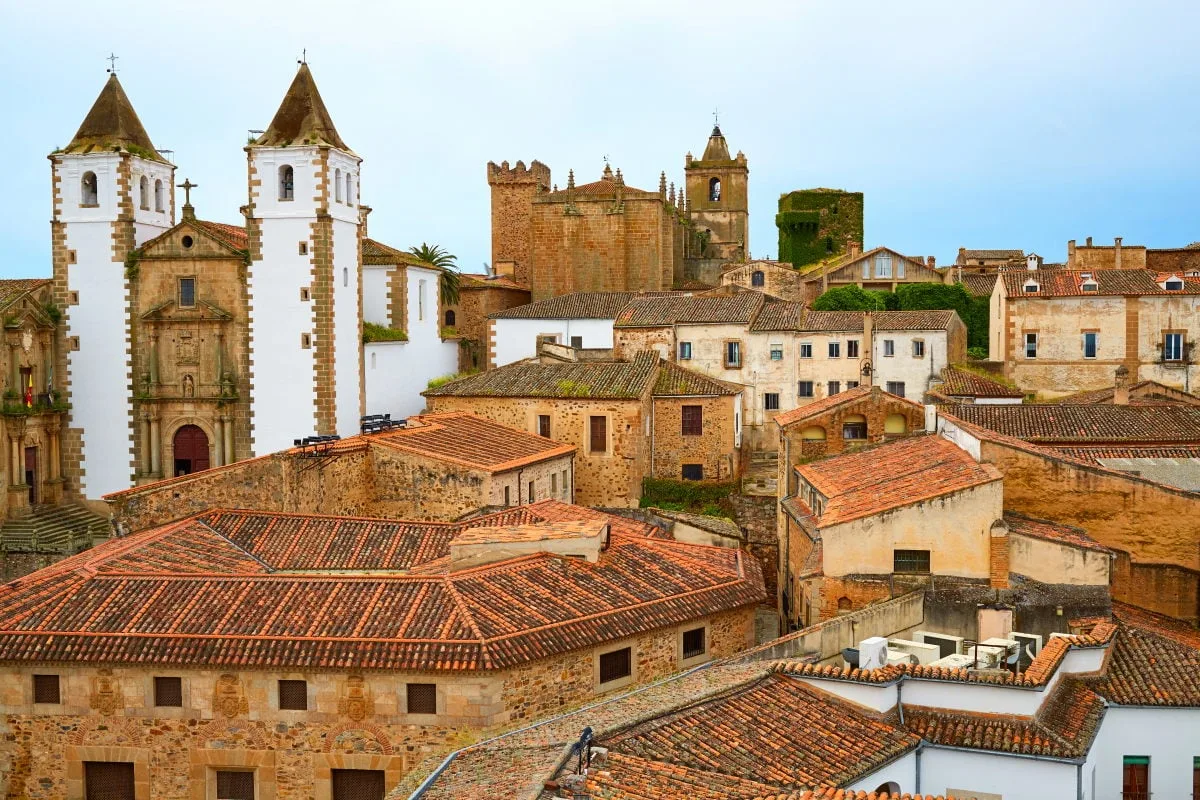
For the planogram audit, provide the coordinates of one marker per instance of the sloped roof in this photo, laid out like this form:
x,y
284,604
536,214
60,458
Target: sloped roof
x,y
577,305
1051,531
376,252
1141,393
112,123
473,441
1155,662
737,308
826,404
716,149
12,289
883,320
592,379
1009,254
171,595
957,382
979,285
676,381
1080,424
233,235
302,118
1069,283
783,315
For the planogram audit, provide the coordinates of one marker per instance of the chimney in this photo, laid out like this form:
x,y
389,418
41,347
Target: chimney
x,y
1071,254
1116,252
962,255
1121,387
931,262
998,556
854,247
1089,241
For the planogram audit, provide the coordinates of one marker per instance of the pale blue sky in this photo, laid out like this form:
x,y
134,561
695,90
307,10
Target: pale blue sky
x,y
997,125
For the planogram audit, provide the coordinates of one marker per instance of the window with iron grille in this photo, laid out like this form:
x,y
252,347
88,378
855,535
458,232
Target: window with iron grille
x,y
108,780
758,279
693,472
45,689
911,561
544,425
598,434
358,784
693,420
771,401
422,698
616,665
168,692
235,785
777,352
1091,343
293,695
693,643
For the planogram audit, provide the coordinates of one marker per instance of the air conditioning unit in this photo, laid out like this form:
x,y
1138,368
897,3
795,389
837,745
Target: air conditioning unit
x,y
946,643
1031,643
954,661
988,656
924,652
872,653
895,657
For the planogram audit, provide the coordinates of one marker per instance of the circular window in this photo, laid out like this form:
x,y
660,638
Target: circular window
x,y
187,241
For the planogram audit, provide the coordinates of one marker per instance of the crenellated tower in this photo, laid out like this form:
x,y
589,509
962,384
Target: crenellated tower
x,y
304,221
112,191
513,190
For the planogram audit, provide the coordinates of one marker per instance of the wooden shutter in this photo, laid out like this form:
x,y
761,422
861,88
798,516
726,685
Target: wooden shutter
x,y
422,698
358,784
599,435
293,695
235,785
693,420
1136,778
108,780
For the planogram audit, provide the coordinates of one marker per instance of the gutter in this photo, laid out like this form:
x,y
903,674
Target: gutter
x,y
1032,756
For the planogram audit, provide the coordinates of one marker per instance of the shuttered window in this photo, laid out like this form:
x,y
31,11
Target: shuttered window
x,y
45,689
598,434
422,698
235,785
616,665
108,780
693,420
358,784
293,695
168,692
1135,784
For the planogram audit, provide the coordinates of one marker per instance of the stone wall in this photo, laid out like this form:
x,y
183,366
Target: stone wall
x,y
756,517
713,447
513,190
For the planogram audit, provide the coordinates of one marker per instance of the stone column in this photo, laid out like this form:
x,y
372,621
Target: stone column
x,y
154,359
218,442
227,428
155,447
16,475
147,462
14,368
55,449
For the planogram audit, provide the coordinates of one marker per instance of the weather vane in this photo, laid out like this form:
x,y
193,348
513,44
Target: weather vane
x,y
716,121
112,60
303,56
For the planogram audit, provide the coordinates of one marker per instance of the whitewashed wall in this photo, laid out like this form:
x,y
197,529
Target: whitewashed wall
x,y
1169,736
516,339
347,332
902,772
914,372
375,294
1008,776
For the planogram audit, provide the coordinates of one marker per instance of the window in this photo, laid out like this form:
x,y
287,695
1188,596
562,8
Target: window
x,y
883,265
714,190
160,203
422,698
305,294
233,785
771,401
168,692
421,299
685,351
806,349
733,355
507,496
544,425
866,268
616,665
854,430
889,348
1135,779
835,387
293,695
305,341
1031,345
89,191
804,389
758,278
449,317
144,193
1091,343
910,561
598,434
302,248
187,292
1173,285
835,349
286,183
918,348
851,384
693,643
346,277
337,185
358,784
1089,286
577,342
852,348
531,495
777,352
45,689
900,268
693,472
1031,287
554,484
349,189
896,388
693,420
566,491
1172,346
108,780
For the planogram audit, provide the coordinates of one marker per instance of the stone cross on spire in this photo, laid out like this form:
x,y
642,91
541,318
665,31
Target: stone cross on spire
x,y
112,63
187,186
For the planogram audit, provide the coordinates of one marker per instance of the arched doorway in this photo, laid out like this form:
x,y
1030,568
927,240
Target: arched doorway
x,y
191,450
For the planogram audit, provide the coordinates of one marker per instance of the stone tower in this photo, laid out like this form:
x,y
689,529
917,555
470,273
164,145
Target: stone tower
x,y
111,192
513,190
305,303
718,199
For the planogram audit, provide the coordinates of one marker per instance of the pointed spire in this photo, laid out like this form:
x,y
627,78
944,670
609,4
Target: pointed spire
x,y
302,118
671,193
717,149
662,183
112,123
570,179
607,175
620,178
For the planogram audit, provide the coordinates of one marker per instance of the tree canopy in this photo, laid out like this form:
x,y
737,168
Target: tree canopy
x,y
973,311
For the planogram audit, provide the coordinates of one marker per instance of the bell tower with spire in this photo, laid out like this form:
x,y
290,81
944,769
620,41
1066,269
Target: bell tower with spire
x,y
718,199
304,277
111,191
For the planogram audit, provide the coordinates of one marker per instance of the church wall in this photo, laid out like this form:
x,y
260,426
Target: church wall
x,y
375,294
516,339
346,355
397,373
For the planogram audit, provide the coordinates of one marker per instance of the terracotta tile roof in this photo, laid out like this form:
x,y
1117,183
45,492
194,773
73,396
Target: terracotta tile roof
x,y
463,438
605,188
779,732
1068,283
1051,531
577,305
979,285
694,286
737,309
977,254
1141,393
826,404
618,380
676,381
302,117
470,280
1095,454
112,122
782,315
233,235
837,321
1079,424
1155,661
13,288
958,382
892,475
178,605
375,252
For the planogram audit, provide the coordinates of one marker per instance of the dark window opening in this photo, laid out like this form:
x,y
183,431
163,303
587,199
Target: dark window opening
x,y
598,434
804,389
616,665
286,183
45,689
714,190
187,292
693,643
771,401
758,279
422,698
108,780
896,388
693,472
854,430
544,425
168,692
911,561
293,695
577,342
693,420
828,244
449,317
233,785
358,784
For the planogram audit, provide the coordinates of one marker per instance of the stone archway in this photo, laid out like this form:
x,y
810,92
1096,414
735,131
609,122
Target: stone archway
x,y
190,449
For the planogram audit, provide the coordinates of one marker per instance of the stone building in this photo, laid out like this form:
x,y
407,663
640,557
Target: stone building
x,y
815,224
1065,331
845,421
1184,261
963,384
633,419
719,208
774,278
237,660
878,269
480,296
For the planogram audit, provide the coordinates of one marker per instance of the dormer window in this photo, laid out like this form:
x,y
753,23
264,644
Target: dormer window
x,y
88,190
714,190
1031,287
1089,285
337,185
160,204
1173,284
286,183
144,193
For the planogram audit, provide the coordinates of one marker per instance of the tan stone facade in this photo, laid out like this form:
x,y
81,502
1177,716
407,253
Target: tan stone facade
x,y
713,448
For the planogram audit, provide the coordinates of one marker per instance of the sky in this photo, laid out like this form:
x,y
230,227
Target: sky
x,y
1015,125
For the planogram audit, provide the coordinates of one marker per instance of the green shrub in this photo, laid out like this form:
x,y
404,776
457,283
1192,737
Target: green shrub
x,y
373,332
435,383
701,497
977,353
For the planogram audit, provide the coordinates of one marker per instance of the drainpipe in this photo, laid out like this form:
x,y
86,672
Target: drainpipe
x,y
1079,769
920,747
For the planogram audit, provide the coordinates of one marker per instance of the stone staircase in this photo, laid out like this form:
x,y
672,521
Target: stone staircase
x,y
762,475
64,529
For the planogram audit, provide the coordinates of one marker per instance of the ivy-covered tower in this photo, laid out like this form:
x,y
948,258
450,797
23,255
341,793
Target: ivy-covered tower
x,y
816,224
718,195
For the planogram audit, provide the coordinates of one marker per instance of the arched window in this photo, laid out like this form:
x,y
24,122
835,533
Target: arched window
x,y
349,189
144,193
337,185
345,276
449,317
854,427
160,203
88,190
813,433
714,190
844,605
758,279
286,183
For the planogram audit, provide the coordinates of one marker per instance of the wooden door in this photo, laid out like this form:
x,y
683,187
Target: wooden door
x,y
31,473
191,450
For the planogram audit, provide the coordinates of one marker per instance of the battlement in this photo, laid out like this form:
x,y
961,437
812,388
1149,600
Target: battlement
x,y
536,173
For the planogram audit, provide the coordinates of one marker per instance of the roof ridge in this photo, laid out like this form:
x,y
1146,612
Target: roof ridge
x,y
469,618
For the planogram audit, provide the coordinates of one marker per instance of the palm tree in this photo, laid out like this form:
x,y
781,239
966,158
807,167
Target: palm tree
x,y
436,256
